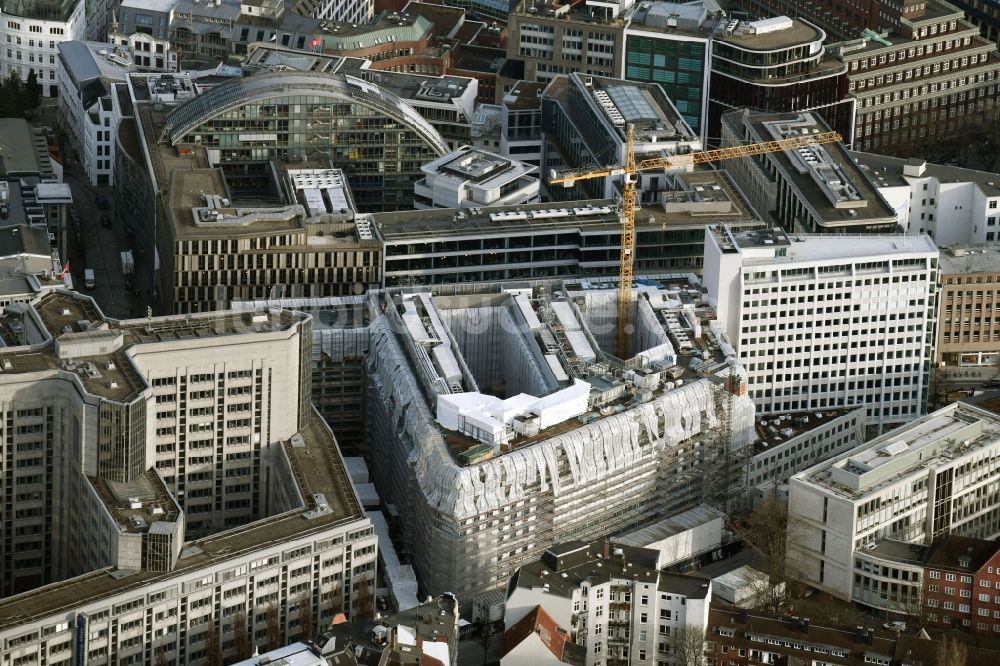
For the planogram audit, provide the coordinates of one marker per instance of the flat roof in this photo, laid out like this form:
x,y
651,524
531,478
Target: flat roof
x,y
591,216
407,86
155,503
799,32
934,439
826,177
888,171
668,527
964,259
819,247
318,469
778,429
524,95
70,318
19,154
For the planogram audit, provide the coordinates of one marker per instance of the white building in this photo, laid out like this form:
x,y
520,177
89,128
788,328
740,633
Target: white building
x,y
88,74
30,31
815,189
172,478
789,443
521,135
612,600
469,178
492,451
861,518
949,204
822,322
682,538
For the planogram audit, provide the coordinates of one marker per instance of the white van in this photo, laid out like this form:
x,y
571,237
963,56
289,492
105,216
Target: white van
x,y
88,278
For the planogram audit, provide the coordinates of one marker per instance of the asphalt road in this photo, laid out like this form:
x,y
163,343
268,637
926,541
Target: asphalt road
x,y
99,248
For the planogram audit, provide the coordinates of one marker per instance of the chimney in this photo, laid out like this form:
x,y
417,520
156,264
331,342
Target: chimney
x,y
871,636
805,625
606,552
743,616
859,634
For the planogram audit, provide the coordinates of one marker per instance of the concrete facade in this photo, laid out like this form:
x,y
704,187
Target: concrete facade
x,y
815,319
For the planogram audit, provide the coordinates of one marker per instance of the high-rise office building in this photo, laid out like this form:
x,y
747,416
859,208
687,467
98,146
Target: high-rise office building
x,y
168,482
828,321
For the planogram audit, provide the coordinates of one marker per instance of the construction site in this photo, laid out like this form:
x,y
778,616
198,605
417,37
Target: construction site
x,y
503,419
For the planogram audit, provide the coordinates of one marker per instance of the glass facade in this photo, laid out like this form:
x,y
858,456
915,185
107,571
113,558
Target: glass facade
x,y
679,68
379,141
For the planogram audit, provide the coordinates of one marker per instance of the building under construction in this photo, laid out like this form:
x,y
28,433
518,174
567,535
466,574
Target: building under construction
x,y
500,422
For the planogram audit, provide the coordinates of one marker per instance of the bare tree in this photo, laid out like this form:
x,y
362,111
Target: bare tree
x,y
687,644
765,595
273,627
769,531
307,628
952,652
241,636
485,633
161,657
213,649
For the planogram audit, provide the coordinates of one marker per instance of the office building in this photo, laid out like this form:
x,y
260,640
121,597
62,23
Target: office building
x,y
824,322
476,477
817,189
447,103
30,31
196,489
949,204
87,75
521,135
669,44
985,15
789,443
29,265
339,348
743,638
923,82
862,517
380,167
611,599
470,178
968,331
778,65
30,191
585,120
203,166
141,27
553,39
962,585
445,246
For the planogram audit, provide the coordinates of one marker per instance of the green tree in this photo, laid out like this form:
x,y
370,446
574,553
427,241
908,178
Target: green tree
x,y
31,95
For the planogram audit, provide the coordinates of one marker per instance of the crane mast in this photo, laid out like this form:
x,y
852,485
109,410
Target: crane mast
x,y
630,172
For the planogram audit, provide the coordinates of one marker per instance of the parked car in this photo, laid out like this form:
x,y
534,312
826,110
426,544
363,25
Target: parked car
x,y
895,626
88,278
992,384
106,221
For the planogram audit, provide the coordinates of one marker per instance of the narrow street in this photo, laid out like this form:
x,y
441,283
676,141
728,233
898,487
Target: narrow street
x,y
99,248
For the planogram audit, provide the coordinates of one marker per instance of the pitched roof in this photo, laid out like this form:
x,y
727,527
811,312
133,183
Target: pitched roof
x,y
946,551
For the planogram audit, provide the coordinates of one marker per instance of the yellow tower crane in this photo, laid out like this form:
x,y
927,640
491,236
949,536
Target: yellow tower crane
x,y
630,172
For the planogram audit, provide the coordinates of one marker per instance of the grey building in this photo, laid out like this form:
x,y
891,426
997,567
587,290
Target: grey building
x,y
173,482
812,190
447,246
585,120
